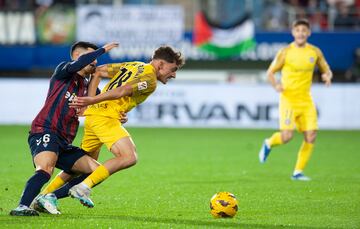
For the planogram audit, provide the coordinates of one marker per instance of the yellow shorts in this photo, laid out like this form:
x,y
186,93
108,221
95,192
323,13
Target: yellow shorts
x,y
303,116
99,130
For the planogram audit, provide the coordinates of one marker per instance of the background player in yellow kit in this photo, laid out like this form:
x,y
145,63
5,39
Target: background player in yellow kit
x,y
297,62
131,83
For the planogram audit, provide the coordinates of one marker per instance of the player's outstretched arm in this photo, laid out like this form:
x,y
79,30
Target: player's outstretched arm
x,y
110,46
87,58
125,90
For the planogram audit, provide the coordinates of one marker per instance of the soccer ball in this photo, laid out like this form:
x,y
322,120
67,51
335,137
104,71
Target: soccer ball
x,y
223,205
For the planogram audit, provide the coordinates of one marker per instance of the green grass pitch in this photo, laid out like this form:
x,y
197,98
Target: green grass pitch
x,y
180,169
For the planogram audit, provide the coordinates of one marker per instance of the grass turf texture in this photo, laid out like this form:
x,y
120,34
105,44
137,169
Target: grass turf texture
x,y
180,169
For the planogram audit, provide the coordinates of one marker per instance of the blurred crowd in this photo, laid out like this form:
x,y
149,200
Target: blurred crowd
x,y
269,15
323,14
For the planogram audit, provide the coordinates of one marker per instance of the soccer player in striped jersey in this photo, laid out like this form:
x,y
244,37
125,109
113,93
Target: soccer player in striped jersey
x,y
55,126
131,83
297,62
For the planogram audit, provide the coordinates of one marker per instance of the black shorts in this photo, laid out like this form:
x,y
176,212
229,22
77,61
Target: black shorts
x,y
49,141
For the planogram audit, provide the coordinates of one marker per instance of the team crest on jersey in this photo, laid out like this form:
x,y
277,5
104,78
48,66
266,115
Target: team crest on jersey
x,y
312,59
38,141
142,85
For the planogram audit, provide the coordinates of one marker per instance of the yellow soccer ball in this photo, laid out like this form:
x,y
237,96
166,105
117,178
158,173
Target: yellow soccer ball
x,y
223,205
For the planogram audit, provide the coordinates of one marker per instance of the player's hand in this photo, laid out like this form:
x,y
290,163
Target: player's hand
x,y
326,77
79,102
279,88
123,117
110,46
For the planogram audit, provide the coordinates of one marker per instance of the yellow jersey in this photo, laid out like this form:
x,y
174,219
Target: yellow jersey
x,y
297,65
141,77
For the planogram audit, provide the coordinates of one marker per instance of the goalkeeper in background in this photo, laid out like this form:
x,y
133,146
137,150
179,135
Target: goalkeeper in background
x,y
297,62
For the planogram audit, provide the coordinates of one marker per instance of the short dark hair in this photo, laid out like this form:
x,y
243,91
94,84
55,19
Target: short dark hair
x,y
82,44
168,54
301,21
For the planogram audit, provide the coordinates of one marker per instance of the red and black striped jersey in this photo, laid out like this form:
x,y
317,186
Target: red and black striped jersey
x,y
56,115
65,84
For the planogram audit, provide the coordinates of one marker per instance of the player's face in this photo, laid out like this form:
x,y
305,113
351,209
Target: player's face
x,y
300,34
167,71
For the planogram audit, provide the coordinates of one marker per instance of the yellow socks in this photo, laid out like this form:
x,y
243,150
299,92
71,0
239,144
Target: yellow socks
x,y
303,156
275,139
99,175
56,183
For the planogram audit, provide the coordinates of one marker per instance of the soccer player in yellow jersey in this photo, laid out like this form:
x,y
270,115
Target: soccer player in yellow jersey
x,y
297,62
131,83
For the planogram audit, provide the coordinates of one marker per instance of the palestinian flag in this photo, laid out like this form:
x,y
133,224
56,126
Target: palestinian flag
x,y
222,41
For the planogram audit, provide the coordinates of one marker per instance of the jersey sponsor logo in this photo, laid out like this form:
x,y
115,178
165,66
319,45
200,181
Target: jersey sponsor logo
x,y
70,97
99,105
142,85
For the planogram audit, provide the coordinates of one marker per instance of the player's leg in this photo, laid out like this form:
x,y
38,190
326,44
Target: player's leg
x,y
43,148
72,160
75,161
125,157
286,123
85,166
69,157
60,179
125,154
308,125
118,141
45,164
46,201
60,185
91,144
63,191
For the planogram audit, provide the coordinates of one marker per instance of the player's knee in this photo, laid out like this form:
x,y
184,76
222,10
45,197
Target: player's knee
x,y
45,161
127,160
46,168
133,159
287,136
310,137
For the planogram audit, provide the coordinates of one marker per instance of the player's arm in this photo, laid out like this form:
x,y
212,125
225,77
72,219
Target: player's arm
x,y
85,60
95,79
326,73
116,93
276,66
140,86
103,71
